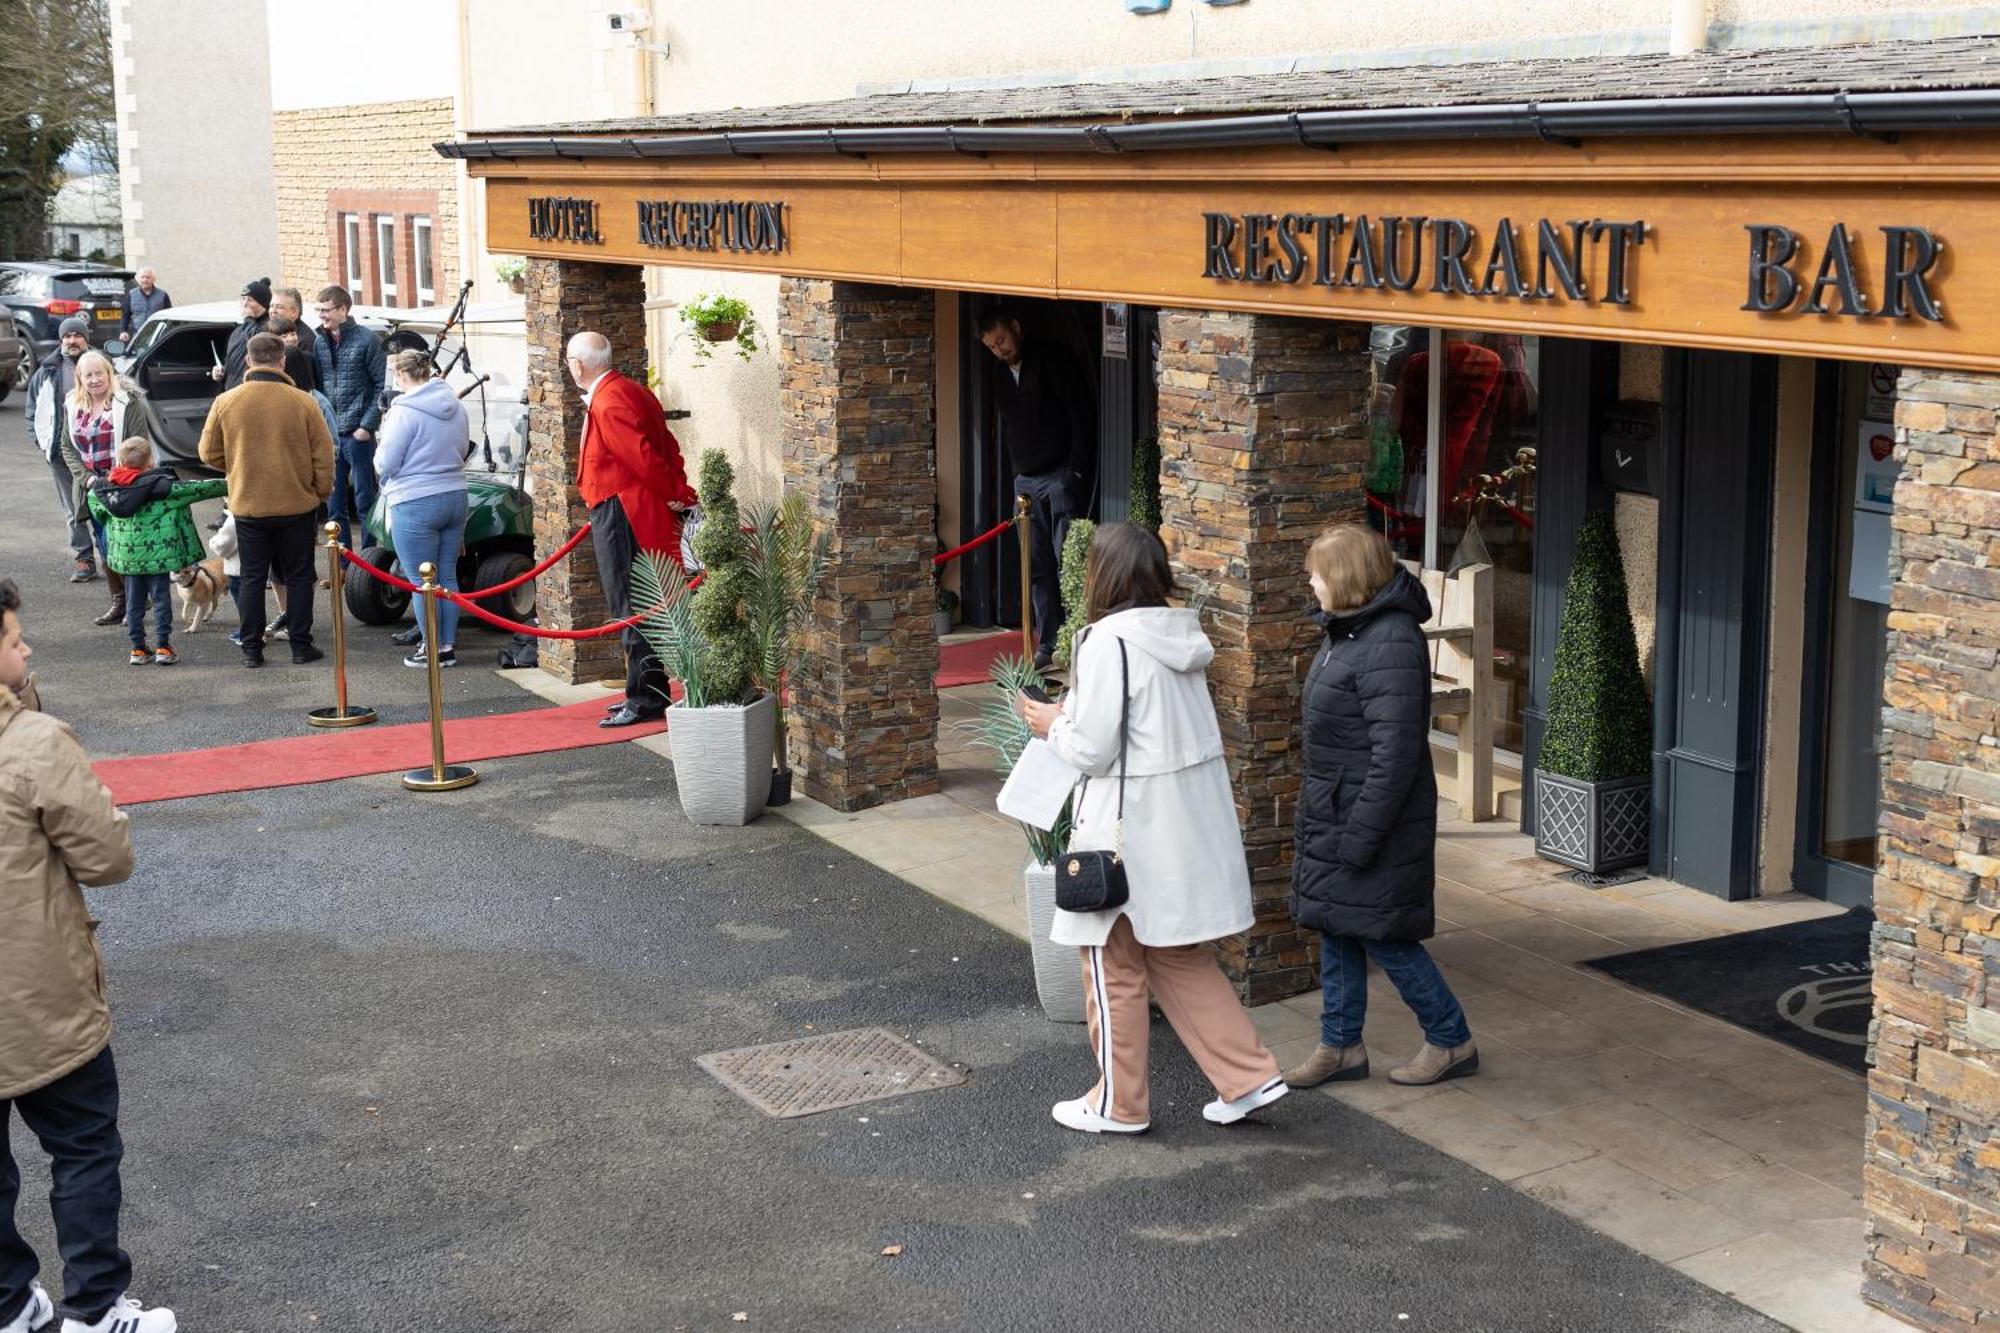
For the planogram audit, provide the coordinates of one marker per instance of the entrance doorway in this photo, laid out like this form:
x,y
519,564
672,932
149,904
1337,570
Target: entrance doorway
x,y
1847,610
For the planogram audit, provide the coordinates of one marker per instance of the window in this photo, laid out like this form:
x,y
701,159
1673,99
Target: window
x,y
385,258
350,248
421,249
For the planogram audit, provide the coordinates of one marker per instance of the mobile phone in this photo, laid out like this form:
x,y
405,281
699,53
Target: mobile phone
x,y
1037,693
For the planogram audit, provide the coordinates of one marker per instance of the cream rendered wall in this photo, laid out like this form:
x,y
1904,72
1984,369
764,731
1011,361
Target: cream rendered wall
x,y
191,80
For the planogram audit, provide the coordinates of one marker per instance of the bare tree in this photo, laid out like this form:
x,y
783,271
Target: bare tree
x,y
55,103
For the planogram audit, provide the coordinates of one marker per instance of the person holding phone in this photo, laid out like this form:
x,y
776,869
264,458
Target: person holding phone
x,y
1140,696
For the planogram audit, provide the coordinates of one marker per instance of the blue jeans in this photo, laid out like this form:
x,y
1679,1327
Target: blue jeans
x,y
1343,978
353,486
159,588
430,529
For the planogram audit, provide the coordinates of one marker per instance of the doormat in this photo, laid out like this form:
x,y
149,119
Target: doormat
x,y
1807,984
812,1074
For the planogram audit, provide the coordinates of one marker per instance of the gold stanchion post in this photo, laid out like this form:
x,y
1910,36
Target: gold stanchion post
x,y
1024,529
440,776
340,715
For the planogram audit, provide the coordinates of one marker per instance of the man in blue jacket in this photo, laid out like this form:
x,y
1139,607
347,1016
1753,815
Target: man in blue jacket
x,y
351,365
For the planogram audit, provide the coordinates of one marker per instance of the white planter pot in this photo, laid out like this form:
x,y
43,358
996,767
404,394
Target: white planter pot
x,y
722,759
1058,967
941,623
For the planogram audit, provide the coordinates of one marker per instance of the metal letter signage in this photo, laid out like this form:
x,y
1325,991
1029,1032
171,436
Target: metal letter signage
x,y
1908,256
564,218
1445,256
744,226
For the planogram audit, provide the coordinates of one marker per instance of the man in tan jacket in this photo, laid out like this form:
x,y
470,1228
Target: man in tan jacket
x,y
59,831
270,440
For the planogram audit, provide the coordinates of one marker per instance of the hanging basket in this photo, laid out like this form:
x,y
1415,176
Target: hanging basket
x,y
517,285
722,331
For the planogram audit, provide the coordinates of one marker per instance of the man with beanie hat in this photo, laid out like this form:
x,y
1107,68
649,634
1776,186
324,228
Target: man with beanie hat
x,y
48,389
256,306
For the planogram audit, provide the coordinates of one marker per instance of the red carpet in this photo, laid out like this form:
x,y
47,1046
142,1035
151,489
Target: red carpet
x,y
329,756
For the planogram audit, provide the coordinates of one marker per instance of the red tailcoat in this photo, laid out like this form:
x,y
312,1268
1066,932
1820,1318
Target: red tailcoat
x,y
629,452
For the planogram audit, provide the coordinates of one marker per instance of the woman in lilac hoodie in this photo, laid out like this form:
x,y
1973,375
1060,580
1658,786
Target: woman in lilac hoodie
x,y
420,461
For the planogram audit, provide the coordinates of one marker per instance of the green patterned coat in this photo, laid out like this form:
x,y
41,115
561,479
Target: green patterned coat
x,y
147,521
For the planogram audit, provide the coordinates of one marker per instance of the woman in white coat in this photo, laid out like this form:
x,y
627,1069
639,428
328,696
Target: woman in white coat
x,y
1182,849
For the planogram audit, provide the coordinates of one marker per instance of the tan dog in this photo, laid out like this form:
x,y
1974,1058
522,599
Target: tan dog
x,y
200,588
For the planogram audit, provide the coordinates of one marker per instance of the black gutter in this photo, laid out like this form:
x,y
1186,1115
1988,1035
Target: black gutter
x,y
1873,115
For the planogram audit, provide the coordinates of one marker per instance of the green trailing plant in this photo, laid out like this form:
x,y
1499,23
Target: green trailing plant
x,y
1145,503
1001,729
1600,718
705,640
511,268
946,601
1075,565
708,317
787,560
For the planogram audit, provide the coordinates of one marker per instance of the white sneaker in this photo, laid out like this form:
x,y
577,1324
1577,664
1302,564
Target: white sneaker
x,y
37,1314
1077,1115
125,1316
1219,1112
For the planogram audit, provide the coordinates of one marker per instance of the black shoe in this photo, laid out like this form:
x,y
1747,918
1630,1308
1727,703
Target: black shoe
x,y
305,654
421,661
628,716
616,704
1044,661
253,660
403,638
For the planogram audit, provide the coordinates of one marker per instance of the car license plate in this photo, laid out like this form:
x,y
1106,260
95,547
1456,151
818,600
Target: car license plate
x,y
107,314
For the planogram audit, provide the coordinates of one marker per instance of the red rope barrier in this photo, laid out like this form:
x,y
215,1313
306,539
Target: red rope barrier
x,y
538,570
467,604
981,540
382,574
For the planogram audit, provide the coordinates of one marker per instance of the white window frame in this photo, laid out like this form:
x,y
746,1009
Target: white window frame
x,y
350,260
385,258
423,257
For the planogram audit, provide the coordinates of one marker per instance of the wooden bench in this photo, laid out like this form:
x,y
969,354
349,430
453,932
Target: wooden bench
x,y
1460,634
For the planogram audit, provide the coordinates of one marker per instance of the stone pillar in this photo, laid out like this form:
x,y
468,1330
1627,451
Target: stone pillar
x,y
860,393
565,297
1932,1173
1263,439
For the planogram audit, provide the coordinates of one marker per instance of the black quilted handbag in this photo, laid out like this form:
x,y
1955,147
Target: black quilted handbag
x,y
1095,881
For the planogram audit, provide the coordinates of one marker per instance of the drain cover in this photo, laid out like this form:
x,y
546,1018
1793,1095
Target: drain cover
x,y
793,1078
1590,881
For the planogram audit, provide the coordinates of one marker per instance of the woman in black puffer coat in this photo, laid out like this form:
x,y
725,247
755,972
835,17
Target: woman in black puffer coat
x,y
1364,864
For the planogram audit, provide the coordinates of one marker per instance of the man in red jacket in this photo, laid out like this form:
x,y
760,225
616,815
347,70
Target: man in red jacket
x,y
631,476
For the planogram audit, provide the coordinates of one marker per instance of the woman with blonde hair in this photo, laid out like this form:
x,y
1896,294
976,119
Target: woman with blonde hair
x,y
1139,728
1364,866
99,412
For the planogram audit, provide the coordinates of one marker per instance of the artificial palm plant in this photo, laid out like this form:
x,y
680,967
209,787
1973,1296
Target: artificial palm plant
x,y
786,559
1002,730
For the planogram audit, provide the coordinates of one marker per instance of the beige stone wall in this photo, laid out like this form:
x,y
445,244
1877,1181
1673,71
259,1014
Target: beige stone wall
x,y
371,147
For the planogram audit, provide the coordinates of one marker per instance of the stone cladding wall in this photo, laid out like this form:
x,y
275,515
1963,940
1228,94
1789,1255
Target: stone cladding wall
x,y
565,297
1263,439
859,371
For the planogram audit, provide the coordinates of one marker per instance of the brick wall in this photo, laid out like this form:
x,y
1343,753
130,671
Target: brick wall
x,y
379,155
1932,1175
859,369
1263,437
565,297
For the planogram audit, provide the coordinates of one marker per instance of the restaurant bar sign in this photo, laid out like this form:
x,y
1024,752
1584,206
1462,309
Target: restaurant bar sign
x,y
1548,260
740,226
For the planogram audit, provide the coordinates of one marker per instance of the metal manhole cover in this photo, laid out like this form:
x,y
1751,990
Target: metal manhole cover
x,y
1590,881
793,1078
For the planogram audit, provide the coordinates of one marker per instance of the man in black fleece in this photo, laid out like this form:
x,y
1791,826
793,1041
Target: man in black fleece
x,y
1048,427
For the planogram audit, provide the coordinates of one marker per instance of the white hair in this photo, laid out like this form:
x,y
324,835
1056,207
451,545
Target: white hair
x,y
144,270
592,349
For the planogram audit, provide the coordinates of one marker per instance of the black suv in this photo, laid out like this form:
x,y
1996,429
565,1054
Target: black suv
x,y
41,294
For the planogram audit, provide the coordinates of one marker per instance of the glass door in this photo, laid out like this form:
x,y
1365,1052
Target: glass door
x,y
1855,470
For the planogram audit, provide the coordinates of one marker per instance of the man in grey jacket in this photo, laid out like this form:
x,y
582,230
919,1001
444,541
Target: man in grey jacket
x,y
48,388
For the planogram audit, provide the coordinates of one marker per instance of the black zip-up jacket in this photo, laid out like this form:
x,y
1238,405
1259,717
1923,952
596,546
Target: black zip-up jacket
x,y
127,500
1365,847
1046,420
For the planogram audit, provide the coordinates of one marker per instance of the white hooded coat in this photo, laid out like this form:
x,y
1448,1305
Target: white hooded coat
x,y
1182,848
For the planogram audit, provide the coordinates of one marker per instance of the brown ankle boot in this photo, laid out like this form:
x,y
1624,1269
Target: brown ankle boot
x,y
1435,1064
115,613
1330,1064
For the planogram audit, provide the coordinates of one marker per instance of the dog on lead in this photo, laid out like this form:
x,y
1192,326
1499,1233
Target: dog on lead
x,y
200,588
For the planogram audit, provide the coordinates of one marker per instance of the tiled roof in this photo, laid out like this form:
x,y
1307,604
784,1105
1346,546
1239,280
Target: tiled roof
x,y
1945,63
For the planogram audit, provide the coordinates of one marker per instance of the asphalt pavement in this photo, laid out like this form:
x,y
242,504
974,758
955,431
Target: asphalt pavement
x,y
399,1062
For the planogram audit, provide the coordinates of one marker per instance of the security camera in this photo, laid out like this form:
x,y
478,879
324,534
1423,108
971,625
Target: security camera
x,y
629,20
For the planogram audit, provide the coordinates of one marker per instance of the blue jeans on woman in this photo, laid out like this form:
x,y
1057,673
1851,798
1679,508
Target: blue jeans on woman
x,y
430,529
1343,978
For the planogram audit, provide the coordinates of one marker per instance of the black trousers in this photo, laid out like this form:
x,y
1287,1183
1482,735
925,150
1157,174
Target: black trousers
x,y
611,536
280,549
76,1120
1050,509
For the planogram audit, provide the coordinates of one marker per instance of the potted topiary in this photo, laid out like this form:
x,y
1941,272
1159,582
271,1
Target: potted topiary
x,y
1145,501
715,318
943,608
1058,978
722,729
513,271
1593,777
1075,564
786,561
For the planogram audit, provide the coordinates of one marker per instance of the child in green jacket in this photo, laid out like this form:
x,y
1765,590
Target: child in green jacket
x,y
151,536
